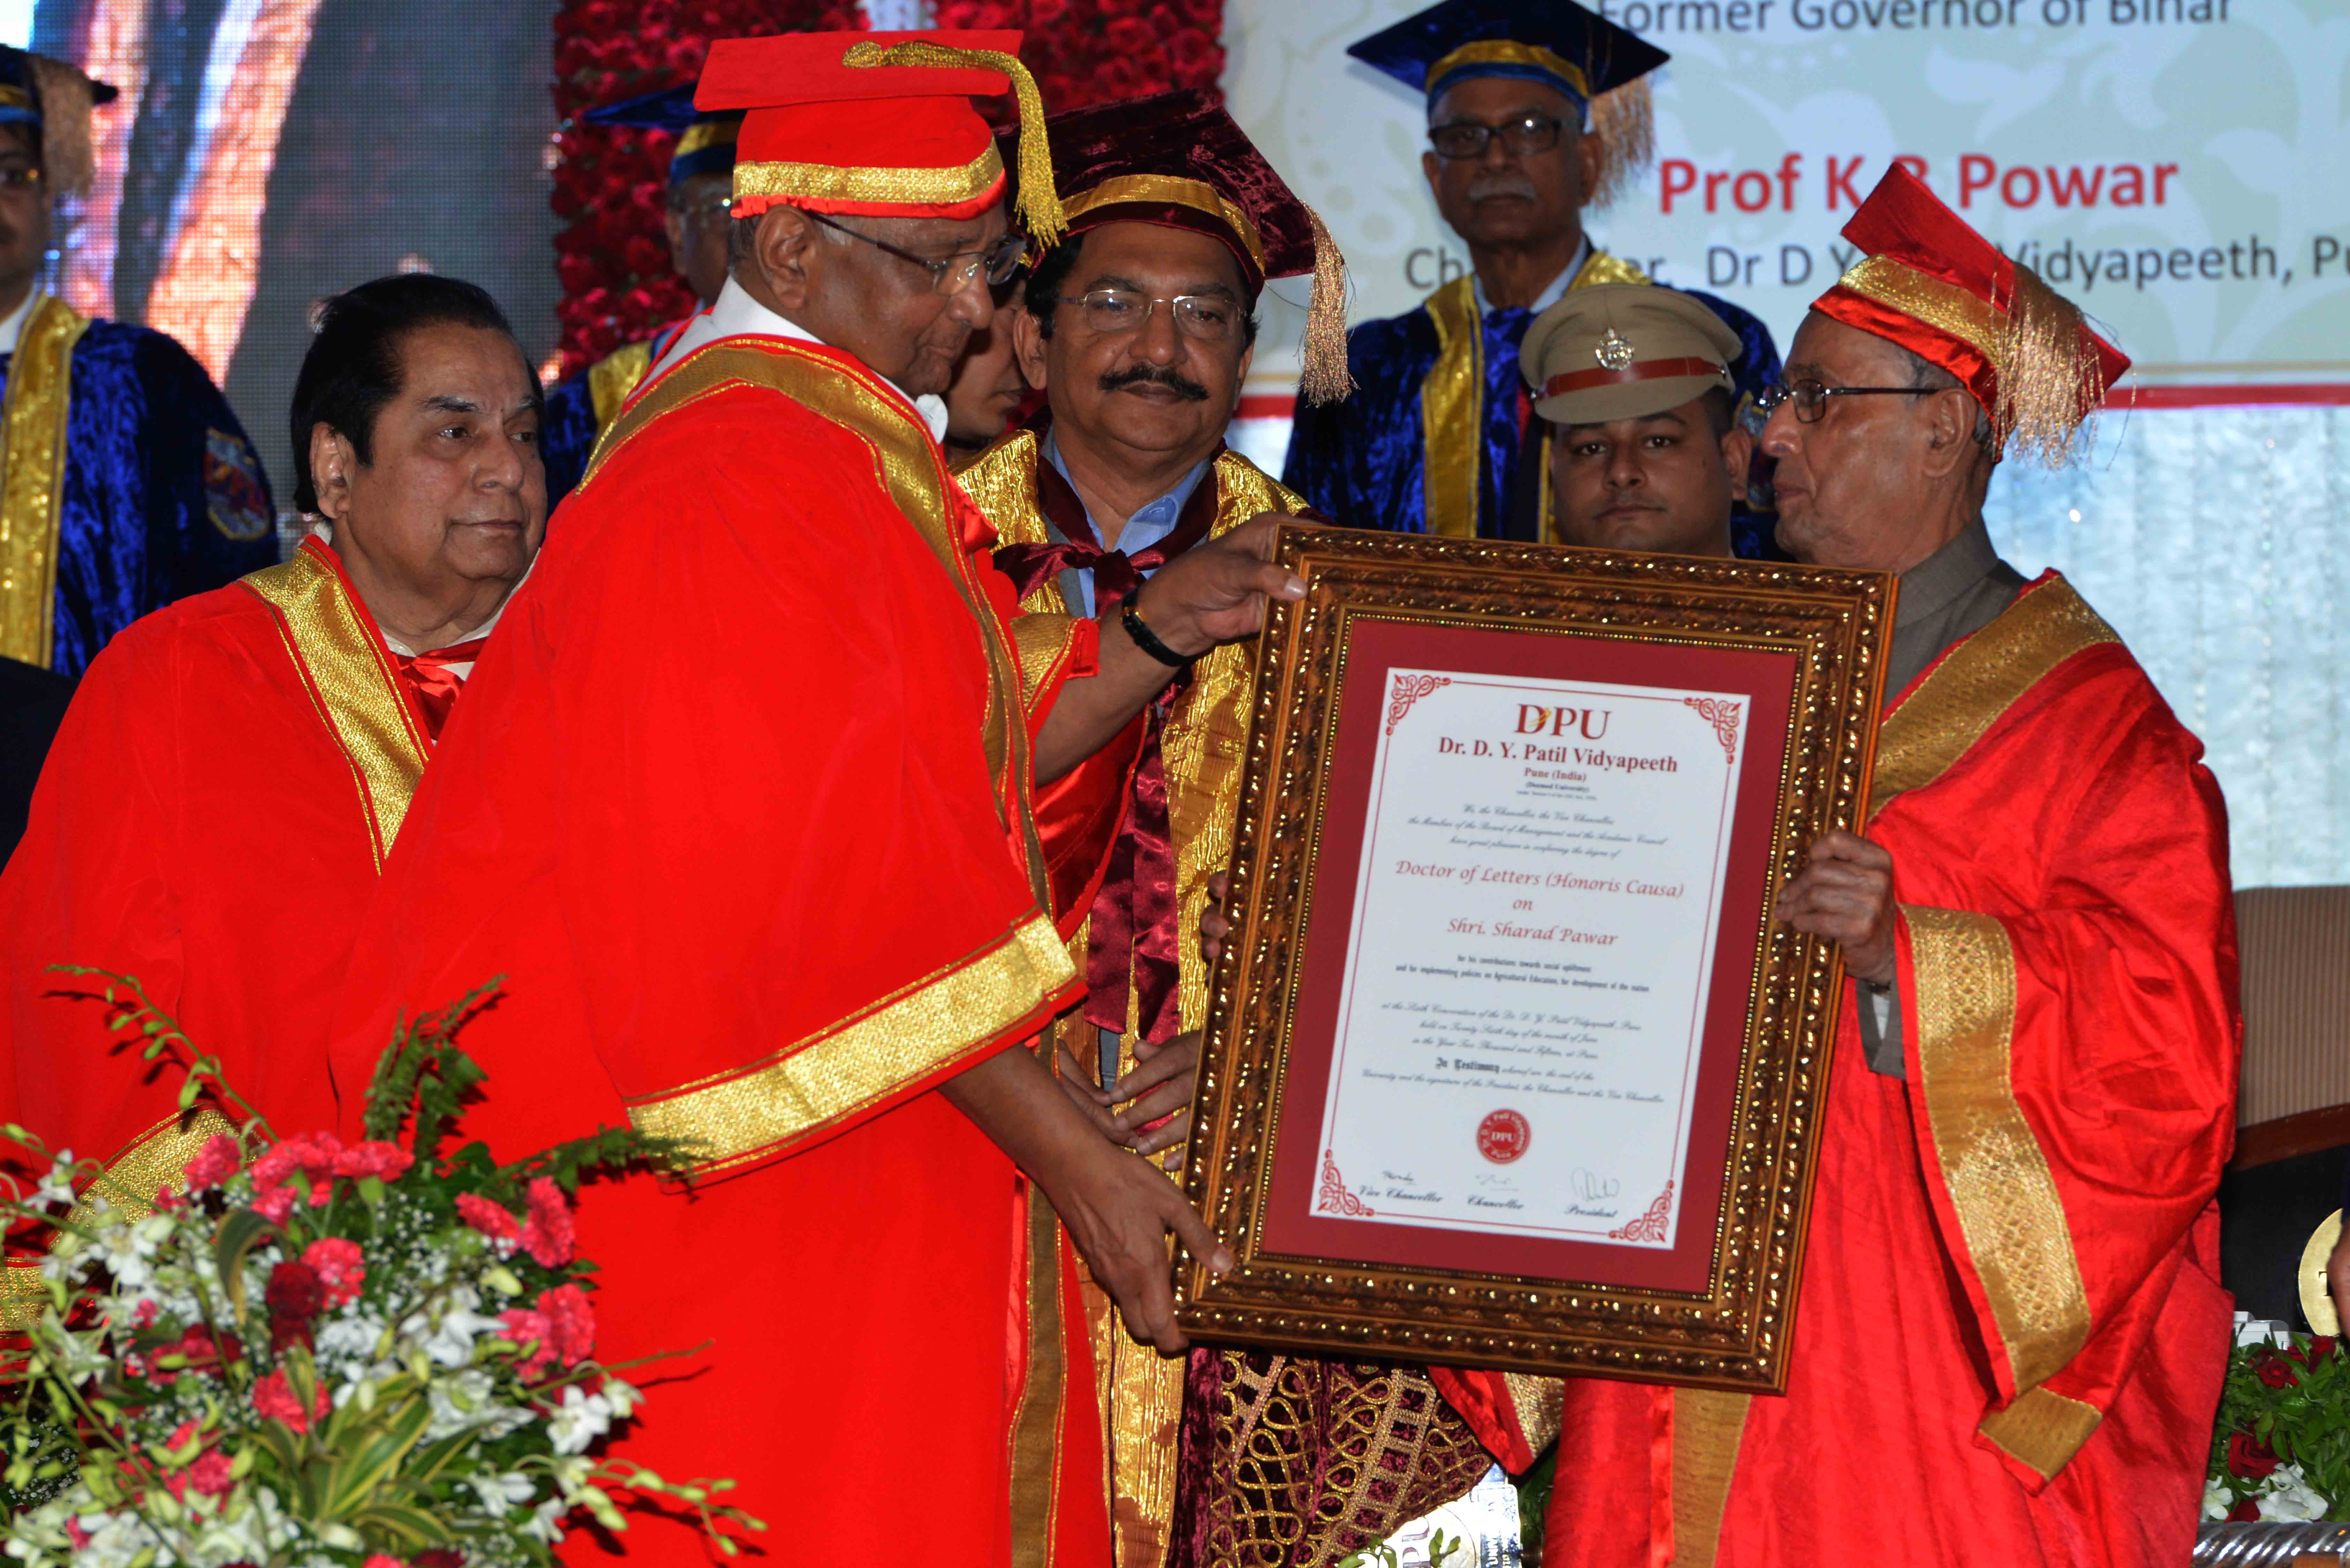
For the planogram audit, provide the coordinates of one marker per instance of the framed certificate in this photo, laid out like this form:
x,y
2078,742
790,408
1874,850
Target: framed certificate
x,y
1507,1064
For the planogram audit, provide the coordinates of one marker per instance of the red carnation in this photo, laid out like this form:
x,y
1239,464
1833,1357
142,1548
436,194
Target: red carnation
x,y
384,1161
492,1220
531,1330
340,1266
572,1321
219,1159
209,1474
548,1236
296,1295
272,1400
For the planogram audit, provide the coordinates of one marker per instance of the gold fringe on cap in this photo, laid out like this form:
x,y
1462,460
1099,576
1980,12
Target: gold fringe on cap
x,y
1625,120
1326,379
69,160
1039,205
2050,383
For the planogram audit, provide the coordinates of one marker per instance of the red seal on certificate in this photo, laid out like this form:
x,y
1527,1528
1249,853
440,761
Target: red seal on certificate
x,y
1503,1136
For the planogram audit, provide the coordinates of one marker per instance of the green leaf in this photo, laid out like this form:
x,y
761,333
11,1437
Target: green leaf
x,y
355,1479
241,1232
414,1528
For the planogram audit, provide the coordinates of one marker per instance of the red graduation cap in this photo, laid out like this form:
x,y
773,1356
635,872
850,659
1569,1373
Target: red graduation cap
x,y
1931,284
877,123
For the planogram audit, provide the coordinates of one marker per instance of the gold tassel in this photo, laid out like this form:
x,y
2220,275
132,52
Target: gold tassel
x,y
68,162
1326,379
1624,118
1039,204
2049,386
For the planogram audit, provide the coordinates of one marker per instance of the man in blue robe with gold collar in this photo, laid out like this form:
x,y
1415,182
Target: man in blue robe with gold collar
x,y
1535,109
125,481
698,204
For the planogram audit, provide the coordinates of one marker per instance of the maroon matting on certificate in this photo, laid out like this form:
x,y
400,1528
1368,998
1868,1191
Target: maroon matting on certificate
x,y
1506,1063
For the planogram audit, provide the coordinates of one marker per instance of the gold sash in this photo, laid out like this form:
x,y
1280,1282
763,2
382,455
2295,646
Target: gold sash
x,y
1452,397
352,683
611,379
31,478
155,1159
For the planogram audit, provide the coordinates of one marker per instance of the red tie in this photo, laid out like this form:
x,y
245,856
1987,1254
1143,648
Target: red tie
x,y
433,684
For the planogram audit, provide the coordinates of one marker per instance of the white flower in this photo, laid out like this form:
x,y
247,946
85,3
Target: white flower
x,y
126,1249
501,1492
57,1187
624,1398
449,1339
2217,1500
2286,1494
350,1337
578,1421
546,1521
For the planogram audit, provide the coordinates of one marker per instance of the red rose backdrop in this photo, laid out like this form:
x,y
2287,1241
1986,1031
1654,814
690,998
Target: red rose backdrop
x,y
608,182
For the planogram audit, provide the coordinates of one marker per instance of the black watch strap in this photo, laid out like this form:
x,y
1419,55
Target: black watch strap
x,y
1144,637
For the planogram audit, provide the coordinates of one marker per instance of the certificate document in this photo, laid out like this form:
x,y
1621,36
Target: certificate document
x,y
1506,1061
1526,982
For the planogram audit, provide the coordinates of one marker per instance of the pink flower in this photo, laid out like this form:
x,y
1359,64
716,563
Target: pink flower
x,y
179,1435
492,1220
219,1159
340,1266
209,1475
275,1205
272,1400
529,1328
572,1321
548,1236
384,1161
314,1157
383,1560
77,1534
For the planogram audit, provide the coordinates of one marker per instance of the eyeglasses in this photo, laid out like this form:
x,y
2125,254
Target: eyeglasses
x,y
1811,398
708,210
1115,312
19,177
996,263
1523,137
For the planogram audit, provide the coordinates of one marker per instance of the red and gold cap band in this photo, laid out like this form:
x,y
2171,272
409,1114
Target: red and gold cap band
x,y
828,187
1639,371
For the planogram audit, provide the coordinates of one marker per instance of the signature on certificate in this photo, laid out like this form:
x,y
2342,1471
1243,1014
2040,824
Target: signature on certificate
x,y
1588,1187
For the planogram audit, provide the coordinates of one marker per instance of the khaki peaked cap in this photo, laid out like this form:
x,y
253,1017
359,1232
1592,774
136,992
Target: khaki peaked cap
x,y
1624,351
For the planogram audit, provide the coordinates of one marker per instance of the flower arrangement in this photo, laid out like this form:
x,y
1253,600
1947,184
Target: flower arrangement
x,y
2281,1447
309,1354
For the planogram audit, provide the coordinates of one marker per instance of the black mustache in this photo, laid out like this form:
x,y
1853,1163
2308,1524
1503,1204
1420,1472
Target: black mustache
x,y
1175,381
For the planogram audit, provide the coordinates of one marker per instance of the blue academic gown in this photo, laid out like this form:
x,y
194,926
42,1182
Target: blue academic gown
x,y
1365,460
162,495
581,406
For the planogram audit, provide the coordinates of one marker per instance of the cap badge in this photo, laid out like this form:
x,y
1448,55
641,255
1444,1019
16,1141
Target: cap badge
x,y
1615,351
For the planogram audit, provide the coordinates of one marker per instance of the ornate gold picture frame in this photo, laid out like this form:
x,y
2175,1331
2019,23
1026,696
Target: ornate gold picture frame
x,y
1506,1064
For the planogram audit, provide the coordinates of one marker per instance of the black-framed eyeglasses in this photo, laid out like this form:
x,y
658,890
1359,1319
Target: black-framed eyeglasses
x,y
1523,137
709,209
1811,398
1113,312
20,177
954,273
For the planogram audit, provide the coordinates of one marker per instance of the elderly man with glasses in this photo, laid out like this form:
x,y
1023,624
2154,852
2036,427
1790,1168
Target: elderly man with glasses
x,y
2010,1296
744,818
1537,109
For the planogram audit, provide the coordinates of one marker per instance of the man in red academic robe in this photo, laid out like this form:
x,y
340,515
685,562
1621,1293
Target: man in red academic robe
x,y
741,811
2010,1334
235,768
